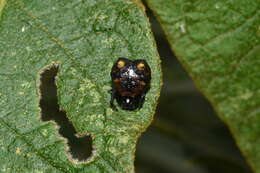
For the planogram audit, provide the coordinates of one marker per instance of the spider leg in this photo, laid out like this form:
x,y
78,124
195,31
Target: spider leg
x,y
113,95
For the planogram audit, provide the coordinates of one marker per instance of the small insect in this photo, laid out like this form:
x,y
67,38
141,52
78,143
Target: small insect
x,y
130,83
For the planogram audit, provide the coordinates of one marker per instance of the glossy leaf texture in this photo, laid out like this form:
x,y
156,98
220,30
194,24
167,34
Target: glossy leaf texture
x,y
218,44
84,38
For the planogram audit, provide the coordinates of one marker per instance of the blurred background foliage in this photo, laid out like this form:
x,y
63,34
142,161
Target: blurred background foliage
x,y
186,135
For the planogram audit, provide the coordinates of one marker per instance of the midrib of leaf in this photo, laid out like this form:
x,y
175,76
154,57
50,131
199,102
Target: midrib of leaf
x,y
114,141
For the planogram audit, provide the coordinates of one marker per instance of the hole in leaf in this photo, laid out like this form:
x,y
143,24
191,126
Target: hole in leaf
x,y
80,148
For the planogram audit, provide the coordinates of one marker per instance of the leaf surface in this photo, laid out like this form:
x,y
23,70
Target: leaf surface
x,y
83,37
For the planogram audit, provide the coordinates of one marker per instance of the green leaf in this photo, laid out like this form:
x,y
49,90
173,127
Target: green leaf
x,y
83,37
218,43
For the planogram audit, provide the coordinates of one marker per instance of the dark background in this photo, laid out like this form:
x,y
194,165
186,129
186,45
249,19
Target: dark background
x,y
186,135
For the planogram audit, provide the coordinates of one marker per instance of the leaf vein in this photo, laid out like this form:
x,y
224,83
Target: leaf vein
x,y
235,67
248,20
41,156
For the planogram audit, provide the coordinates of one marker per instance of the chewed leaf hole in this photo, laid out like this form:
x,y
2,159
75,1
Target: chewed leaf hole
x,y
80,148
